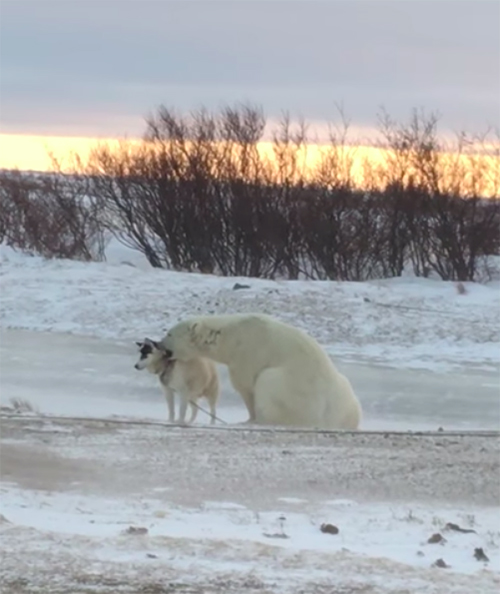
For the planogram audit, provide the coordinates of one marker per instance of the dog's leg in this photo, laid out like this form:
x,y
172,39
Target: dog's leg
x,y
212,405
194,410
183,409
170,397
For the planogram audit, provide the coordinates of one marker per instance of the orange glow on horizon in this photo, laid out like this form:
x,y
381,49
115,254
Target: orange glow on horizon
x,y
33,153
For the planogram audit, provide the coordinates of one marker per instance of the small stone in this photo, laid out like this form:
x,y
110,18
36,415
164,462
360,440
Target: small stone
x,y
440,563
329,529
436,538
238,286
136,530
151,556
480,555
457,528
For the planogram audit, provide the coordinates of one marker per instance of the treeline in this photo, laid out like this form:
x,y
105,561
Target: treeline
x,y
201,192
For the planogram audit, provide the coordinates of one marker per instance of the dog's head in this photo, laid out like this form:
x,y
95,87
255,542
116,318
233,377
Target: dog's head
x,y
151,352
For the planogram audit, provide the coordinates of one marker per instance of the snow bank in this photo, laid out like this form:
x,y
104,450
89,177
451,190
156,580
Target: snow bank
x,y
406,322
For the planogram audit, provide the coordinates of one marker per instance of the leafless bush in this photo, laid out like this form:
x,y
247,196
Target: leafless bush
x,y
435,205
341,233
49,215
199,194
461,232
21,405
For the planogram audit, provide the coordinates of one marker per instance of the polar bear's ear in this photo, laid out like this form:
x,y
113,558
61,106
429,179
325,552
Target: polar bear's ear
x,y
200,335
194,331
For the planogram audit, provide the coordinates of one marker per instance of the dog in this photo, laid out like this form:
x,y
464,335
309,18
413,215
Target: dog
x,y
193,379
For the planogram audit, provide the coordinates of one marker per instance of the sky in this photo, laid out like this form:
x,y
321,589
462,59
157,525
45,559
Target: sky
x,y
99,67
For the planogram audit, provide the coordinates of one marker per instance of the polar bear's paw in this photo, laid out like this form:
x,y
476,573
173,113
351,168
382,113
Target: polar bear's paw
x,y
247,422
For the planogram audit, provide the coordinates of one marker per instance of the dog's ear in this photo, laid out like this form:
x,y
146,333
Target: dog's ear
x,y
161,347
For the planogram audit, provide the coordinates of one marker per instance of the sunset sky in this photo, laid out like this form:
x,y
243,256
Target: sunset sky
x,y
82,69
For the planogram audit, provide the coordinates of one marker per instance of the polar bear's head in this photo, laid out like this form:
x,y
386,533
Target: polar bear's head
x,y
191,338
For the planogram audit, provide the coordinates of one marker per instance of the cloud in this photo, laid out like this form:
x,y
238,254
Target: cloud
x,y
101,64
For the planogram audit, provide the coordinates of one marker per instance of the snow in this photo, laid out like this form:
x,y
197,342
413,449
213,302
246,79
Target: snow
x,y
415,350
83,519
403,322
396,532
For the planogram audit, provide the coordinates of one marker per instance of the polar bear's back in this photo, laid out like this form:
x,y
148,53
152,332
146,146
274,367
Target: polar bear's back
x,y
278,342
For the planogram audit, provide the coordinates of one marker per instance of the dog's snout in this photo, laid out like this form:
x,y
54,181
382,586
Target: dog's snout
x,y
136,366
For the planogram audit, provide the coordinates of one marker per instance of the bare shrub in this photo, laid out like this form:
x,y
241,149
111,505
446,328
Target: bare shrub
x,y
50,215
21,405
343,235
199,194
435,208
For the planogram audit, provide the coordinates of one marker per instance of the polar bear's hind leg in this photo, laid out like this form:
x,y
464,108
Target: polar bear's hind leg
x,y
269,406
278,401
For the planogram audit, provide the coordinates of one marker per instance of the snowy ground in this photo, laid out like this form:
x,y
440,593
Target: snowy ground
x,y
237,510
231,509
403,322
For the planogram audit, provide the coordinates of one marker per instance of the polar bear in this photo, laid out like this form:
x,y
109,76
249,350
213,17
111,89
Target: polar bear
x,y
282,373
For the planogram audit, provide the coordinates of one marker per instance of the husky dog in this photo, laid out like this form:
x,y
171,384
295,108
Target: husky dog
x,y
193,379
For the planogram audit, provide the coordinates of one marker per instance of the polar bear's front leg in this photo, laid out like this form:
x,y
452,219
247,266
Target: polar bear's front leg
x,y
245,392
249,403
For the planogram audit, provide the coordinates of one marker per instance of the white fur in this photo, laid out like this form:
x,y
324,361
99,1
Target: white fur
x,y
192,380
282,373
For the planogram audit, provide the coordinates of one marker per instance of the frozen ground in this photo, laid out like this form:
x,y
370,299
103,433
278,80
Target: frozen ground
x,y
229,509
237,510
